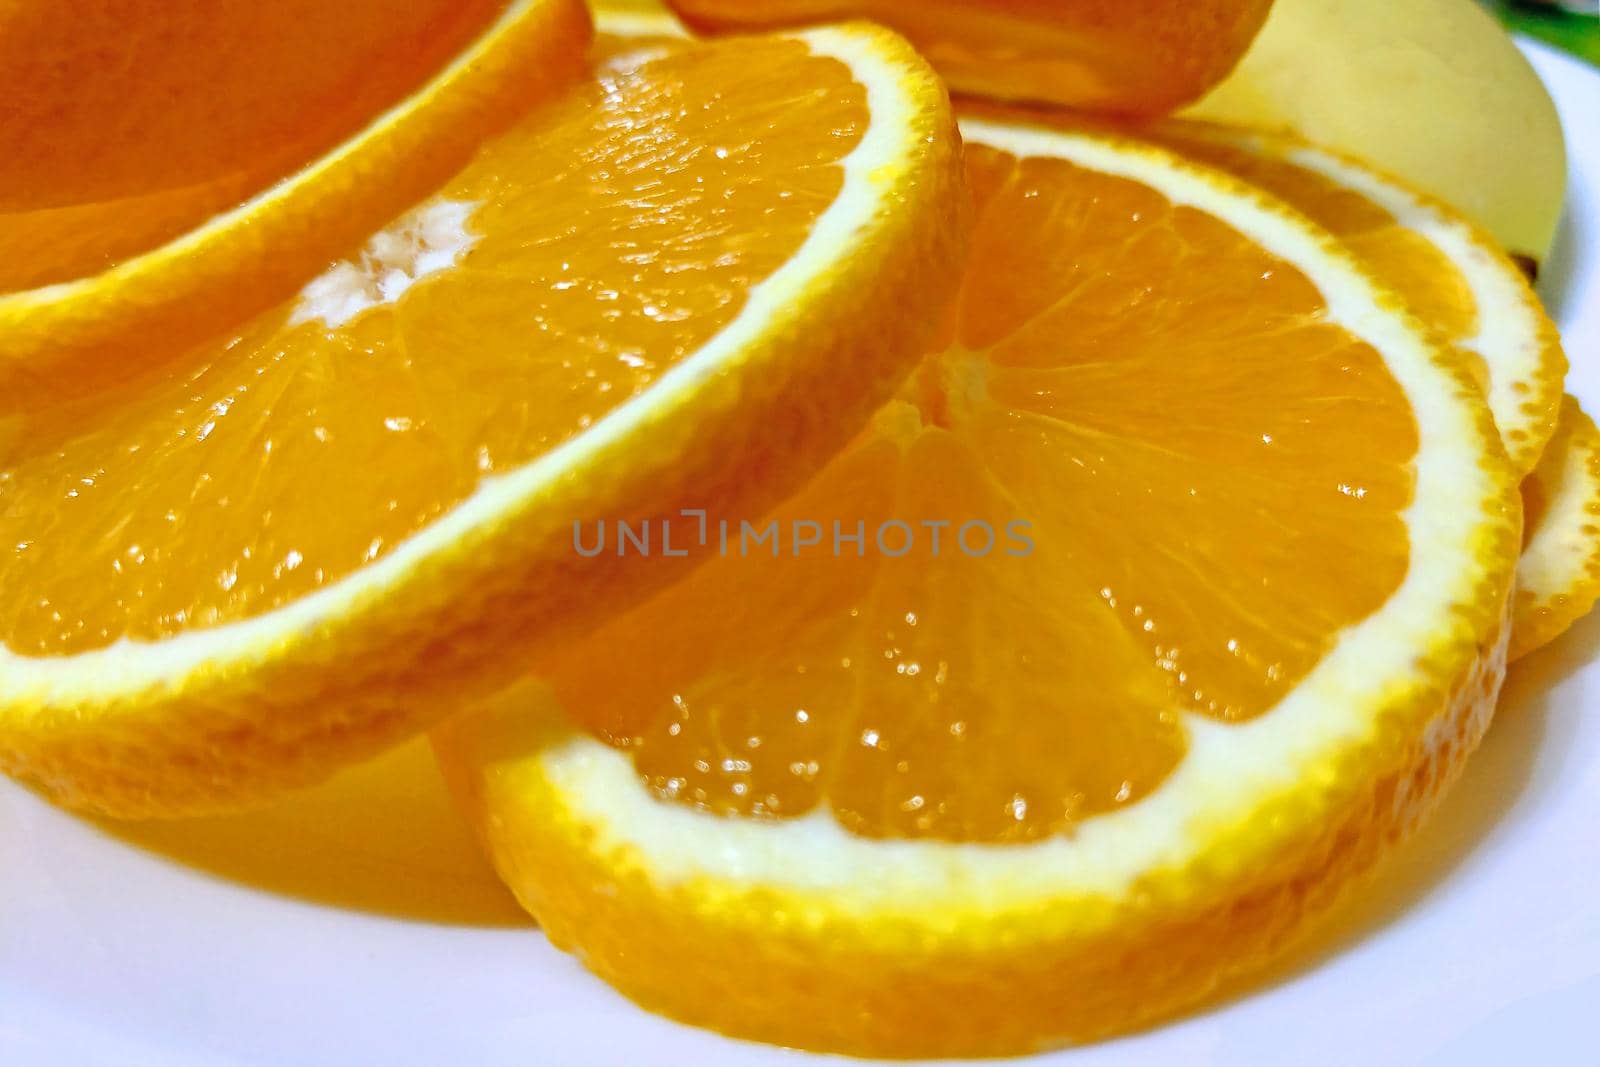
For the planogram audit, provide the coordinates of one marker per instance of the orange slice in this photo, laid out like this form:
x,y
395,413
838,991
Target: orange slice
x,y
1132,57
684,286
130,99
108,302
1215,612
1558,577
47,245
1450,272
140,121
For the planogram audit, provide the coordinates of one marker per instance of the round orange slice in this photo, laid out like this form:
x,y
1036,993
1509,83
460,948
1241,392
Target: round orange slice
x,y
1451,273
1161,602
683,285
156,252
1558,577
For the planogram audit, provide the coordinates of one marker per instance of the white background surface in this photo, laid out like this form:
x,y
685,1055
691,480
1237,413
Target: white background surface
x,y
357,925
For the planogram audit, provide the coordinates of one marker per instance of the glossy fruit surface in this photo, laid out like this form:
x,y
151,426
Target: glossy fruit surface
x,y
1450,271
1217,611
136,268
285,551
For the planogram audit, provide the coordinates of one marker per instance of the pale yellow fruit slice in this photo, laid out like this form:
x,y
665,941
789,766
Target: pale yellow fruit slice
x,y
1434,91
1558,577
921,802
683,285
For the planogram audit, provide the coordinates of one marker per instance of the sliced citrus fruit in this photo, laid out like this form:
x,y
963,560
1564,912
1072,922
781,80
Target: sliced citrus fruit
x,y
113,301
47,245
1450,272
686,284
1149,614
1133,57
136,123
1558,577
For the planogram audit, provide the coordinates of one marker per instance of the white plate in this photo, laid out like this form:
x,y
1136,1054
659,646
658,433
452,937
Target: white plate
x,y
357,924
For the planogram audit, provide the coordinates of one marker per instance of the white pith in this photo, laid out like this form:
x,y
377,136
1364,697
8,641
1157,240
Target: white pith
x,y
1559,554
425,241
47,684
1508,339
1228,771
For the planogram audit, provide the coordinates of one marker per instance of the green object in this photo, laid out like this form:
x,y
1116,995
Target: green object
x,y
1571,25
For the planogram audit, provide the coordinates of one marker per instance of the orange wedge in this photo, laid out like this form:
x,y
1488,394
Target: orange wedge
x,y
1558,577
1451,273
358,109
1155,608
684,285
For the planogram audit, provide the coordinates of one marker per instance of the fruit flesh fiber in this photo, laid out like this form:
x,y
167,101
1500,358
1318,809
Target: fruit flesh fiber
x,y
276,462
1410,262
1204,526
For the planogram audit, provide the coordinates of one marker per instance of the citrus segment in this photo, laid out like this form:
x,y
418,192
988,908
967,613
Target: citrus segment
x,y
1558,577
263,560
73,333
1450,272
893,801
1145,57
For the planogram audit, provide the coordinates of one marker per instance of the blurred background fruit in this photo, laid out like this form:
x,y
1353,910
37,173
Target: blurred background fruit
x,y
133,122
1126,56
114,100
1433,91
167,171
